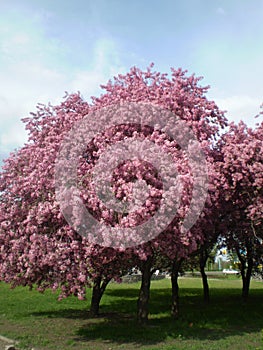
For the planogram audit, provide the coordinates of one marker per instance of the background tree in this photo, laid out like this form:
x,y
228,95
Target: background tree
x,y
241,167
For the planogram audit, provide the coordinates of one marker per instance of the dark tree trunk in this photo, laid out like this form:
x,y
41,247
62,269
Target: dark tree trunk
x,y
98,289
144,294
246,270
203,260
246,278
175,288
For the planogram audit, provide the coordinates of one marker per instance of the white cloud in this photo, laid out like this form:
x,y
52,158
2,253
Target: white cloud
x,y
220,11
29,77
105,64
25,86
13,136
241,107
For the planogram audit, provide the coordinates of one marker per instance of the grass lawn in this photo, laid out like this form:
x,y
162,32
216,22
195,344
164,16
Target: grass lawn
x,y
40,321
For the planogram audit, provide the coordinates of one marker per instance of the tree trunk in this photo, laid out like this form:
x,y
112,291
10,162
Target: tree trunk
x,y
175,288
144,294
203,260
98,289
246,278
246,269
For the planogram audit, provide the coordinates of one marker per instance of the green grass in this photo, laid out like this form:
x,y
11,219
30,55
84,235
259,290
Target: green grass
x,y
40,321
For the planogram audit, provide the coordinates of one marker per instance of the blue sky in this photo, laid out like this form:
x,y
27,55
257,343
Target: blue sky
x,y
49,47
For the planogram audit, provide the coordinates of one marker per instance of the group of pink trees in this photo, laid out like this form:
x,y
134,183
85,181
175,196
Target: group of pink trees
x,y
39,247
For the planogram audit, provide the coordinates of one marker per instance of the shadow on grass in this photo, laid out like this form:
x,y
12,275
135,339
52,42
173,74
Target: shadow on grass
x,y
225,316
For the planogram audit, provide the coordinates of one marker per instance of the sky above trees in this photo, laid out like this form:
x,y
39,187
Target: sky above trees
x,y
49,47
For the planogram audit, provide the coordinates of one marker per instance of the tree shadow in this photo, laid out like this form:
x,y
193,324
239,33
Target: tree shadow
x,y
225,316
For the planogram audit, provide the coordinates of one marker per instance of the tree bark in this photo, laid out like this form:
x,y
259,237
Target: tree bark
x,y
246,278
175,288
98,289
203,260
246,271
144,293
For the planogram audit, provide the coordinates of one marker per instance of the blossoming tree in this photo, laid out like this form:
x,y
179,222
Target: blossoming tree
x,y
241,167
45,236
